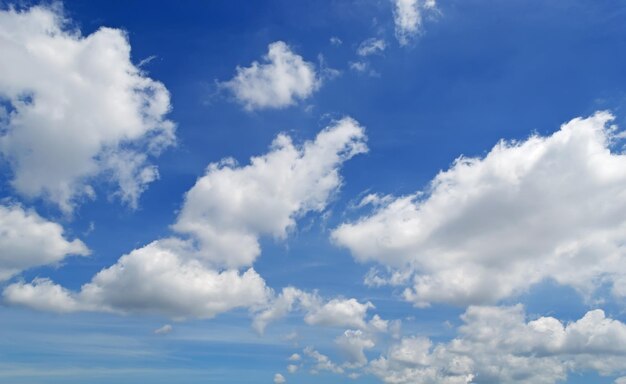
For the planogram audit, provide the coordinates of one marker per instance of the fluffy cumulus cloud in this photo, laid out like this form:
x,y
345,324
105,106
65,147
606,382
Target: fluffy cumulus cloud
x,y
337,312
75,107
224,214
281,80
157,278
231,206
353,344
549,207
279,379
408,15
498,345
27,240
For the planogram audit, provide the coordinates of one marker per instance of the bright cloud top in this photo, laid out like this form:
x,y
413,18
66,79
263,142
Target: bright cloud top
x,y
27,240
407,15
282,80
544,208
76,107
231,206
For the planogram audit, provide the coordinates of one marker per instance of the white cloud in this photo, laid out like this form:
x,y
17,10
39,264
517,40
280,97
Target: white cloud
x,y
353,343
322,362
79,109
164,330
371,46
498,345
279,379
378,325
231,206
408,15
544,208
42,294
295,357
27,240
158,279
292,368
363,67
337,312
225,213
334,40
281,81
358,66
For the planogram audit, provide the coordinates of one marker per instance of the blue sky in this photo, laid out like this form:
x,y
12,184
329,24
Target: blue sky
x,y
406,191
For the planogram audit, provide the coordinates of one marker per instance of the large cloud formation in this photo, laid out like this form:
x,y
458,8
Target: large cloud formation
x,y
74,107
488,228
198,274
498,345
283,79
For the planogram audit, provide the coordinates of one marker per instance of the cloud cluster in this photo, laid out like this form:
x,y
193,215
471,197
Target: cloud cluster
x,y
75,107
488,228
223,214
408,15
283,79
498,345
231,206
27,240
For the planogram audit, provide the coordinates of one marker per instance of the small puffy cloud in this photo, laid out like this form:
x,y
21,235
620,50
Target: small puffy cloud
x,y
378,325
79,109
231,206
322,362
363,67
498,345
358,66
334,40
459,241
353,343
292,368
295,357
279,307
280,81
371,46
408,15
412,351
157,278
337,312
27,240
279,379
164,330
